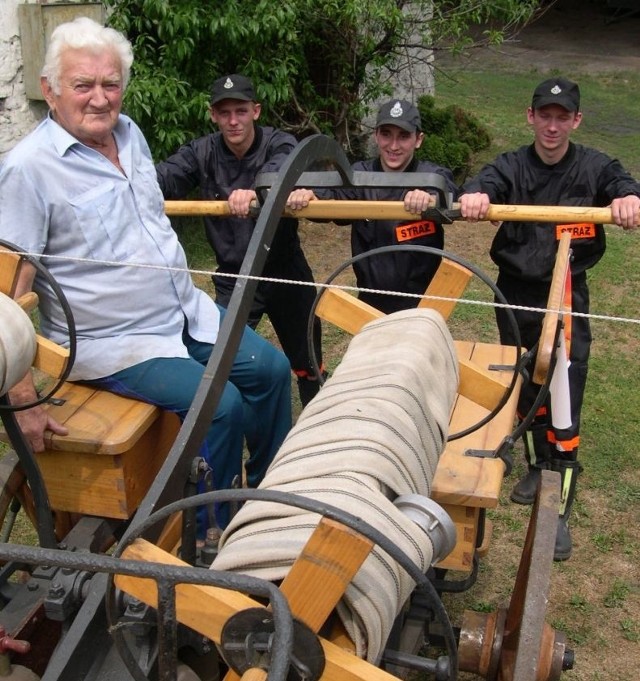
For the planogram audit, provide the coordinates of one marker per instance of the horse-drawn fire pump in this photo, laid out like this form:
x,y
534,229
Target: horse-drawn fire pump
x,y
335,567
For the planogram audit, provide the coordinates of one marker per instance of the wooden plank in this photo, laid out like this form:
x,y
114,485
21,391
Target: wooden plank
x,y
28,302
450,281
345,311
50,357
171,535
99,422
9,268
556,302
206,609
467,480
317,580
350,314
479,385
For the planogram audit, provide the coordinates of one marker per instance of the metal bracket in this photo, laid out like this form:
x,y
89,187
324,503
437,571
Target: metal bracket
x,y
502,367
347,178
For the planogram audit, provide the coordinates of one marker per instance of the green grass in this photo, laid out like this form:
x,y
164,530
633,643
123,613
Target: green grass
x,y
499,100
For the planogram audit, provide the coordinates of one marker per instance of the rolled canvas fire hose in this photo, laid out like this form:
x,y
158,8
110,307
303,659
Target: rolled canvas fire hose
x,y
372,436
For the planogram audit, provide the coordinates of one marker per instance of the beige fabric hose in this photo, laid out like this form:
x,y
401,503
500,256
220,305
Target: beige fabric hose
x,y
375,431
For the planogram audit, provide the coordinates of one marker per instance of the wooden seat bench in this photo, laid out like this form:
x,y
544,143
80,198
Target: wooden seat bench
x,y
115,445
464,485
468,480
114,449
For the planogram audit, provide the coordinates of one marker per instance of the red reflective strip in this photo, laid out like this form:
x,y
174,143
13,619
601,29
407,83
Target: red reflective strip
x,y
566,445
542,411
415,230
579,230
303,373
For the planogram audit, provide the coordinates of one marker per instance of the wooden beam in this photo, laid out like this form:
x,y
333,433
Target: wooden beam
x,y
206,609
318,579
479,385
346,311
394,210
28,302
50,357
555,305
9,268
351,314
450,281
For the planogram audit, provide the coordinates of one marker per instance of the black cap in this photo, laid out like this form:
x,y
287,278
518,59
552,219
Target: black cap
x,y
401,113
234,86
558,91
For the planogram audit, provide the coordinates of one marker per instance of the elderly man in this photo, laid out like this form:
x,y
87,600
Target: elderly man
x,y
81,191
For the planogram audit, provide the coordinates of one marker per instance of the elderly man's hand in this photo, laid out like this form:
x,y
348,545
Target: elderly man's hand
x,y
34,423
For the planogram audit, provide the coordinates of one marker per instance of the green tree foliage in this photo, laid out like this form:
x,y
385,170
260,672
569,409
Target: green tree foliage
x,y
452,136
316,64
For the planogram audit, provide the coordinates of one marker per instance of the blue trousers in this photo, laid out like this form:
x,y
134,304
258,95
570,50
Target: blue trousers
x,y
255,405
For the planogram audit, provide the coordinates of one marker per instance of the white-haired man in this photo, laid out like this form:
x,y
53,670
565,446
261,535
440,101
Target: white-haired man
x,y
81,191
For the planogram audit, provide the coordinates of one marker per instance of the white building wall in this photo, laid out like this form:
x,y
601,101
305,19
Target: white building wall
x,y
411,76
18,115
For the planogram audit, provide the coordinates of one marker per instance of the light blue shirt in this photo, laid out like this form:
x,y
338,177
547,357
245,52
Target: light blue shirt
x,y
59,197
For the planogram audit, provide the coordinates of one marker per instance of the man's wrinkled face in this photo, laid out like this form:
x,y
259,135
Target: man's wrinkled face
x,y
396,146
90,97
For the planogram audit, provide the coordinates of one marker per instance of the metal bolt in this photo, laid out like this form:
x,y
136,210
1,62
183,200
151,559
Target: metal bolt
x,y
135,605
56,590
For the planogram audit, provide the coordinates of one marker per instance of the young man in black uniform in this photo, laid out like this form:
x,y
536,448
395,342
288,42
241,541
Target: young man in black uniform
x,y
551,171
224,166
397,135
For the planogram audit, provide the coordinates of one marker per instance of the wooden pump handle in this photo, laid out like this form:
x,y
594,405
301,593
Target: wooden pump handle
x,y
394,210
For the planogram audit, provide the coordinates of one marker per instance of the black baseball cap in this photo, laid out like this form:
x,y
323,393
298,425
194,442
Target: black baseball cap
x,y
233,86
560,91
401,113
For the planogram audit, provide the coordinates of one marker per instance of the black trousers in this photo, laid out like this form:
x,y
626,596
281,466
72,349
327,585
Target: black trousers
x,y
532,294
288,307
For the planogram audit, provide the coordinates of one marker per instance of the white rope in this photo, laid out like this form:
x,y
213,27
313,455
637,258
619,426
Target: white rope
x,y
343,287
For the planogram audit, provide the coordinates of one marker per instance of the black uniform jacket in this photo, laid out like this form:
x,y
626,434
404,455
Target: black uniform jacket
x,y
584,177
402,271
208,163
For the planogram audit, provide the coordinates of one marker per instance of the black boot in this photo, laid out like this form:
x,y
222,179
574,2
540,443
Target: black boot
x,y
308,388
536,451
569,470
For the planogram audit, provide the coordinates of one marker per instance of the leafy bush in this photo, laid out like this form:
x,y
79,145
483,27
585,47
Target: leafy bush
x,y
452,136
316,64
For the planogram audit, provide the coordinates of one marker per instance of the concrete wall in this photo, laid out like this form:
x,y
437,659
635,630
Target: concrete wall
x,y
18,115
